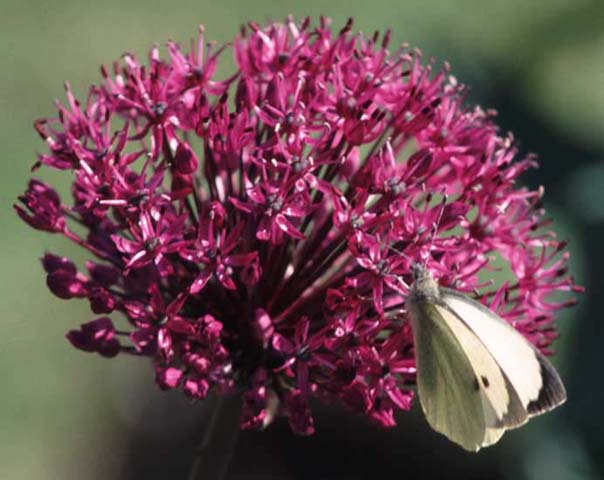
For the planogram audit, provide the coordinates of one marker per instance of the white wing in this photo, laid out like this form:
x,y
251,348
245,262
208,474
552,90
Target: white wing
x,y
501,406
532,376
464,393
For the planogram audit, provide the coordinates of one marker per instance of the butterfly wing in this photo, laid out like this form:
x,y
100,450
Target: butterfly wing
x,y
532,376
463,392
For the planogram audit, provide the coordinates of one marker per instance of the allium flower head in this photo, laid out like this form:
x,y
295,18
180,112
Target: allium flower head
x,y
255,234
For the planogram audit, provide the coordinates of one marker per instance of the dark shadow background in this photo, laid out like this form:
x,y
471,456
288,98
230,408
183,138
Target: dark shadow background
x,y
67,415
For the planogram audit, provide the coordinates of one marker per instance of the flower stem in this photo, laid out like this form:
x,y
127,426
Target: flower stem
x,y
219,440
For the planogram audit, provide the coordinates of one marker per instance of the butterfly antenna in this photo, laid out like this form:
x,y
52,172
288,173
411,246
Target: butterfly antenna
x,y
399,252
435,226
409,259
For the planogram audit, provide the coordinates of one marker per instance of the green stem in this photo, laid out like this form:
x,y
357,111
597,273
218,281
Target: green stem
x,y
219,440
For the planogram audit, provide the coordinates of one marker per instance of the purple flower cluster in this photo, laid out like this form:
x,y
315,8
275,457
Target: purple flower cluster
x,y
255,232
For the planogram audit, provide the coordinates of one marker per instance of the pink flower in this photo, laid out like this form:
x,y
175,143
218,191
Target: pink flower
x,y
96,336
44,205
249,230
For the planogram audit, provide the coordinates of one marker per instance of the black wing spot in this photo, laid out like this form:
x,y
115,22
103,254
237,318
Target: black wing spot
x,y
485,381
476,384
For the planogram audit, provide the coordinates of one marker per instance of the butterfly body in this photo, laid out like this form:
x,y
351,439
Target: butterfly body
x,y
477,376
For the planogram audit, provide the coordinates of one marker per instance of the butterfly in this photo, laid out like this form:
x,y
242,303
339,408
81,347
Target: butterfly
x,y
477,375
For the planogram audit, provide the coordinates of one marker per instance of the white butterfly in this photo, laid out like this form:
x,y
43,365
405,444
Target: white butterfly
x,y
477,376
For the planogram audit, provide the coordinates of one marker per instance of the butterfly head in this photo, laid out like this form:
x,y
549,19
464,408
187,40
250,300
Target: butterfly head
x,y
423,281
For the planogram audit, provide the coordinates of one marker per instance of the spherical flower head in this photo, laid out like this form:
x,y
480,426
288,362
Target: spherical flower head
x,y
256,234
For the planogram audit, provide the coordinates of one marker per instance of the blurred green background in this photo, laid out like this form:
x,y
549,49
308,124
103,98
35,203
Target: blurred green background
x,y
67,415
